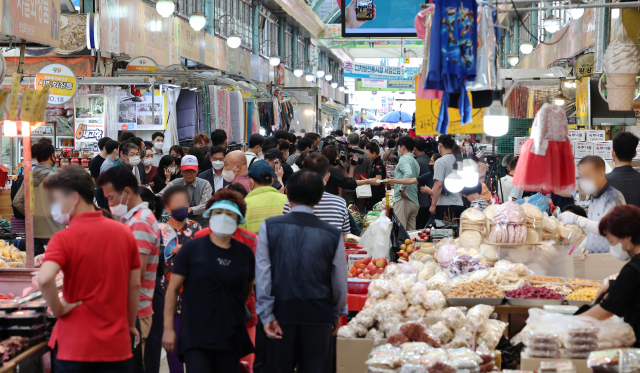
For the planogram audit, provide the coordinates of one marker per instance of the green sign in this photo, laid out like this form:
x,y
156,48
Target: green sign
x,y
369,85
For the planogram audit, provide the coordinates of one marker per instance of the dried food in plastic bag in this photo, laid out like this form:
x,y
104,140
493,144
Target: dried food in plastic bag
x,y
445,254
434,300
391,271
398,302
577,354
412,329
415,312
405,281
429,270
375,334
420,257
542,353
462,338
347,331
615,333
538,336
581,346
434,314
384,310
454,317
442,332
379,289
491,333
409,358
397,339
437,354
370,302
582,331
361,331
441,367
509,213
478,314
416,264
463,353
488,367
430,338
485,353
439,281
419,348
417,294
465,263
383,356
413,368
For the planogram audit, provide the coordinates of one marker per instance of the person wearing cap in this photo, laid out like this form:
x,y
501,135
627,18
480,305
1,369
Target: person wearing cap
x,y
264,201
199,189
216,273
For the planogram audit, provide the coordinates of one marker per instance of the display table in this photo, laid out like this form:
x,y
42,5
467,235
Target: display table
x,y
32,356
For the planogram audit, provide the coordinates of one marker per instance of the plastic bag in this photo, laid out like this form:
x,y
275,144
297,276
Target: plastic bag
x,y
454,317
413,368
509,213
477,315
419,348
615,333
539,200
429,270
383,356
492,331
441,282
442,332
465,263
446,253
377,238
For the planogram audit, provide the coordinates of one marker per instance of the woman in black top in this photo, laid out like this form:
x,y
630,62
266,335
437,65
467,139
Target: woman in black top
x,y
620,227
165,174
378,171
216,273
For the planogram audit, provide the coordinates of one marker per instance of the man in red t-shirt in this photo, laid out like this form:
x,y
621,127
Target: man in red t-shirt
x,y
121,190
101,266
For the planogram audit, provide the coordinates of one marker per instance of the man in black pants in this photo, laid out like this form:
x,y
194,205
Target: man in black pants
x,y
445,202
300,287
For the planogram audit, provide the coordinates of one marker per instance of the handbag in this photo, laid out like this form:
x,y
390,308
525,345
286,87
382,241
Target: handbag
x,y
398,236
364,191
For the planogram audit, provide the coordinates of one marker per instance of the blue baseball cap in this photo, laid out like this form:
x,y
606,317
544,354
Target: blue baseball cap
x,y
225,205
260,167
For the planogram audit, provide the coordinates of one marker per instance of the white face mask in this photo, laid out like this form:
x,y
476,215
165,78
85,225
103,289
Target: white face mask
x,y
617,252
588,186
158,145
217,165
228,175
173,170
222,225
120,209
58,216
147,161
134,161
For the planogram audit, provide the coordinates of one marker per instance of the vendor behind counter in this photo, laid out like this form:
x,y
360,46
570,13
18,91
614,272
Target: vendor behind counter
x,y
620,227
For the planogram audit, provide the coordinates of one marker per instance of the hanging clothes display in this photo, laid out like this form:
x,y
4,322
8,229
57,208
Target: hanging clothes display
x,y
266,117
453,51
255,118
277,119
423,28
487,77
546,159
189,113
213,108
236,115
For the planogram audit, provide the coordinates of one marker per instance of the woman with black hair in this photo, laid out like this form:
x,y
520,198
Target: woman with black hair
x,y
177,153
165,174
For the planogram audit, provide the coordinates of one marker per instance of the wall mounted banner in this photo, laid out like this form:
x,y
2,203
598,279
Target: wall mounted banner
x,y
366,71
384,85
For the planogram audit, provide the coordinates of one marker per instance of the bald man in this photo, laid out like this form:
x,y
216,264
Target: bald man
x,y
235,168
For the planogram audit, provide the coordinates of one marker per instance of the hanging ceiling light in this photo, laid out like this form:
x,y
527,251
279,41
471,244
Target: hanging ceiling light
x,y
234,40
334,85
496,119
298,71
320,73
526,47
341,88
328,77
471,175
454,182
165,7
513,59
560,99
570,83
309,77
551,24
197,21
274,60
577,13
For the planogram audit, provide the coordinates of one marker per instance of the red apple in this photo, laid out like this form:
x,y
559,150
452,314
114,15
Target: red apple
x,y
361,276
366,260
375,276
381,262
366,272
373,270
407,241
361,266
368,277
349,275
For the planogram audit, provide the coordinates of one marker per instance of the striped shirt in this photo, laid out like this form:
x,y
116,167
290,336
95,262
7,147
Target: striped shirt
x,y
147,234
331,209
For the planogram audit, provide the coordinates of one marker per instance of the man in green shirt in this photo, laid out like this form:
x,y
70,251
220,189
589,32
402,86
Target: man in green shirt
x,y
406,204
263,201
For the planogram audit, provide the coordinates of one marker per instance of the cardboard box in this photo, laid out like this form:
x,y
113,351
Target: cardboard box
x,y
595,266
577,135
582,149
351,353
532,363
596,135
603,150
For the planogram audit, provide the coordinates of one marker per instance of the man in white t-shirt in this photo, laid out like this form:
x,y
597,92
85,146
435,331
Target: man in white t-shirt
x,y
442,201
254,153
508,191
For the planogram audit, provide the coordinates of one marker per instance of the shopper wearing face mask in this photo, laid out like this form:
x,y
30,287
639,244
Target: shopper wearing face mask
x,y
620,227
199,189
130,157
101,265
149,169
177,231
214,174
157,139
235,168
121,190
44,226
593,182
165,173
212,335
263,201
254,153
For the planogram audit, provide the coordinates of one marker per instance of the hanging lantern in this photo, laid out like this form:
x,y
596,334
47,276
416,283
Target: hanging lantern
x,y
496,119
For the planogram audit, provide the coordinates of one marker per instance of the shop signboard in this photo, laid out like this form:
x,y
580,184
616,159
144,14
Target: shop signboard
x,y
175,67
142,64
384,85
582,101
595,135
603,150
145,115
366,71
371,83
577,135
89,121
64,84
427,119
37,21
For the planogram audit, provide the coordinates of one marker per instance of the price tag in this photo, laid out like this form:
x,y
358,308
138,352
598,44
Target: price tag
x,y
441,232
595,135
517,143
15,91
582,149
41,104
577,135
28,101
603,150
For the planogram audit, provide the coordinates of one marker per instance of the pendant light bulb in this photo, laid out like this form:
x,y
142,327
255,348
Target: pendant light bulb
x,y
334,85
274,60
513,59
309,77
234,40
320,73
197,21
526,47
577,13
496,119
454,182
298,72
551,24
328,77
165,7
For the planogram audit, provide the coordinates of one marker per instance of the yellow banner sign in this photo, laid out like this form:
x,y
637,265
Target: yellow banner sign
x,y
427,119
62,81
582,101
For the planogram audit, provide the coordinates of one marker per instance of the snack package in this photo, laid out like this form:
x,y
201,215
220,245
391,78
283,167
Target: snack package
x,y
614,361
454,317
492,331
347,331
446,253
419,348
375,334
477,315
434,300
398,302
440,281
413,368
463,264
383,356
464,358
429,270
444,334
